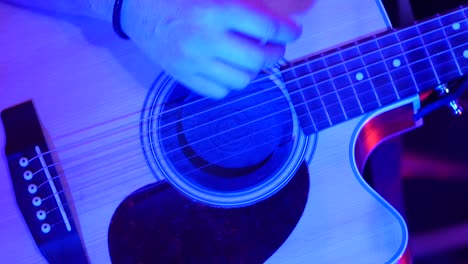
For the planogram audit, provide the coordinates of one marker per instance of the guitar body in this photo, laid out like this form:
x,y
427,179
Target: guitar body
x,y
88,89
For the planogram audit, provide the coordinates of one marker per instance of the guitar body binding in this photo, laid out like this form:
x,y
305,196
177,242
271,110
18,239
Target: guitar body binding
x,y
223,153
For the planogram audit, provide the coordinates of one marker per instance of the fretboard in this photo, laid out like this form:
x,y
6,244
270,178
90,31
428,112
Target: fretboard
x,y
333,87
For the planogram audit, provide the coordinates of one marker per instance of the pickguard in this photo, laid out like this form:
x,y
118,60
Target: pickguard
x,y
158,224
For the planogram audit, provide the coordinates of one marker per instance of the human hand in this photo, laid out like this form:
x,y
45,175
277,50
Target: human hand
x,y
210,46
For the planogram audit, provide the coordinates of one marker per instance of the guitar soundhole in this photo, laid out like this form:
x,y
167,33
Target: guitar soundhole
x,y
229,152
231,138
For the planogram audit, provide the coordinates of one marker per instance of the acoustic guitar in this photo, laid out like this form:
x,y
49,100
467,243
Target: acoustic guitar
x,y
108,159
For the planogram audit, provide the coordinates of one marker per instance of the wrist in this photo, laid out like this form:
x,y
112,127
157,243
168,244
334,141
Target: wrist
x,y
116,19
124,15
110,11
102,9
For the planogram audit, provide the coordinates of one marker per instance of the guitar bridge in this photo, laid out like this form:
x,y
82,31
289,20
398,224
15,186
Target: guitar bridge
x,y
38,187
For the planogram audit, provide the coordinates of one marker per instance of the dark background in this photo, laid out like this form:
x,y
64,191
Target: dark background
x,y
431,163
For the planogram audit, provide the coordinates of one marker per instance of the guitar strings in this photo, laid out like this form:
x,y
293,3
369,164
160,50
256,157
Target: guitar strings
x,y
135,152
115,132
386,47
52,209
70,218
196,169
130,168
132,138
138,156
51,165
224,117
315,84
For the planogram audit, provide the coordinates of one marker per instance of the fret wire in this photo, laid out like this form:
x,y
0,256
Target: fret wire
x,y
400,42
320,96
303,97
313,111
392,57
351,82
361,55
338,115
427,53
369,76
316,111
409,68
408,65
395,33
465,14
306,105
444,62
450,47
407,51
323,108
388,70
461,55
336,90
348,87
299,116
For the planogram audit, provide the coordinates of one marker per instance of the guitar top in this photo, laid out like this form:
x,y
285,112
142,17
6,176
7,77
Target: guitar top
x,y
107,159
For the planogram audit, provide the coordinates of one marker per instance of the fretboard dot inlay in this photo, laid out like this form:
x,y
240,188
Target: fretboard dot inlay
x,y
359,76
396,63
343,83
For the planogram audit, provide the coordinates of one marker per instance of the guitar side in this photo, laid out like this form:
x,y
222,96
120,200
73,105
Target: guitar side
x,y
80,76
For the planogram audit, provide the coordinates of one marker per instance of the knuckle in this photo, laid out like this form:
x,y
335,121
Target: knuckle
x,y
274,54
206,88
277,53
257,59
214,91
271,29
185,49
205,15
242,80
280,51
189,47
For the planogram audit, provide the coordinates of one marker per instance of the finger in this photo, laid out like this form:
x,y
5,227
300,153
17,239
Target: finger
x,y
204,86
259,24
229,76
245,53
273,53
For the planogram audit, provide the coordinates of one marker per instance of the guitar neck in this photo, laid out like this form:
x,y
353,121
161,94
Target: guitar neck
x,y
330,88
